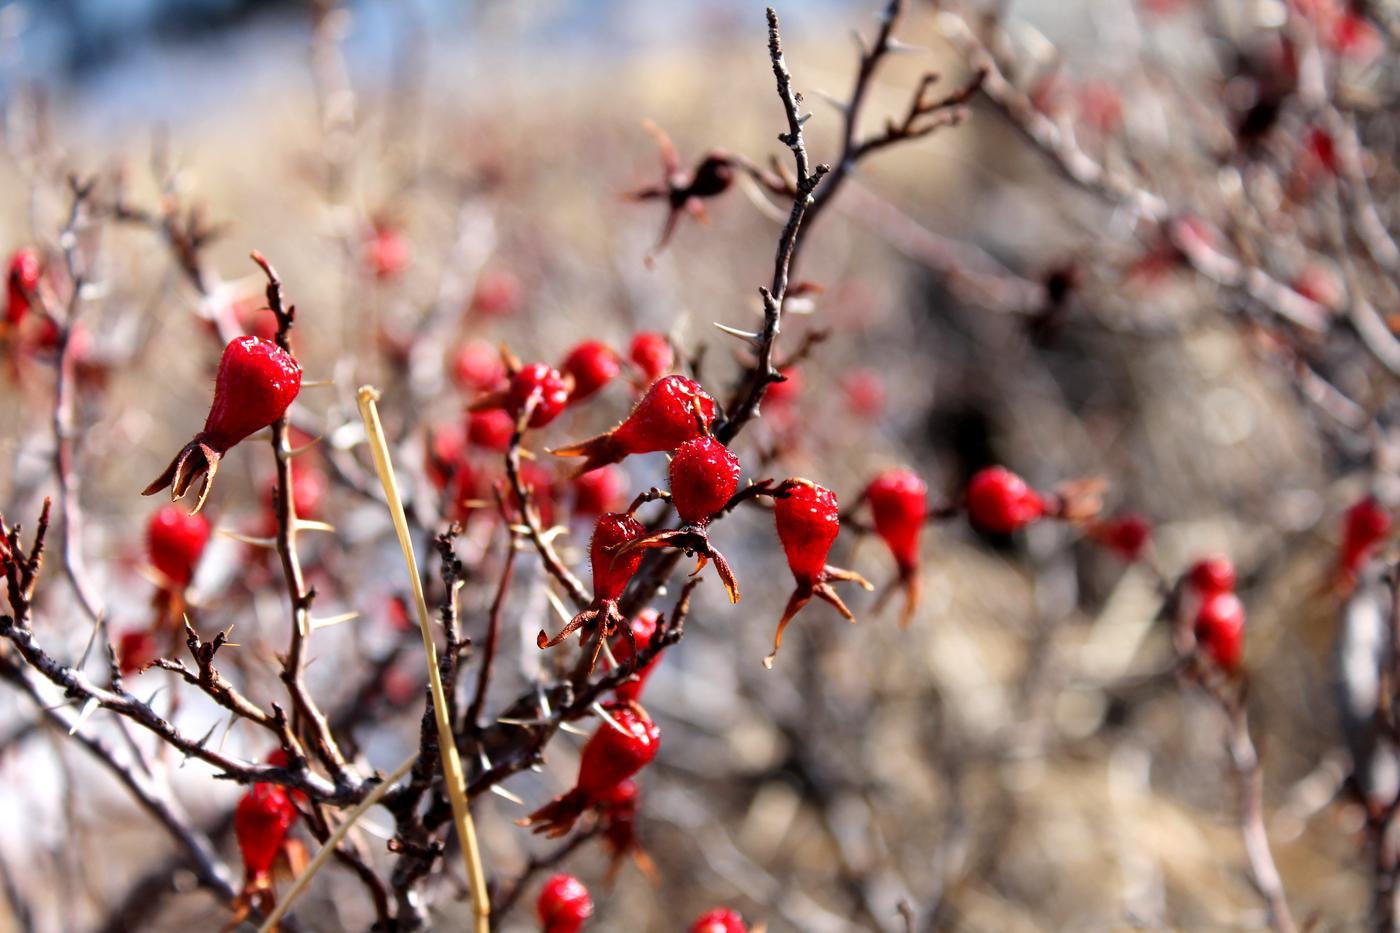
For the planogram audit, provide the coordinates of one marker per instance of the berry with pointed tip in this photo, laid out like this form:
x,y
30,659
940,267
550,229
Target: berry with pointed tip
x,y
808,519
256,384
261,821
1367,524
1220,629
719,920
1000,502
136,648
476,366
652,354
491,429
899,505
538,380
1210,575
22,280
704,477
593,364
643,631
612,569
599,491
174,543
564,905
612,755
674,410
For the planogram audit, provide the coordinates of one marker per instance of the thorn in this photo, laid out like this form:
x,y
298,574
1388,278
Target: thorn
x,y
549,534
500,791
483,758
524,723
559,608
308,525
607,652
904,48
572,729
333,620
268,543
832,99
298,451
317,383
89,708
607,718
544,702
802,120
745,335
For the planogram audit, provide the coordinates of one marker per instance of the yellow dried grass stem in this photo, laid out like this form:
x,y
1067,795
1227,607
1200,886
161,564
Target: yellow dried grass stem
x,y
368,396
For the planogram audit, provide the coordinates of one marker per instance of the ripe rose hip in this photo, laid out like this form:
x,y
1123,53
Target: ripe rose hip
x,y
476,366
446,448
1212,575
593,364
174,543
1220,630
674,410
22,280
652,354
808,518
564,905
491,429
719,920
618,810
256,384
1126,535
899,505
536,381
1000,502
1367,524
611,756
261,821
599,491
612,569
136,648
625,649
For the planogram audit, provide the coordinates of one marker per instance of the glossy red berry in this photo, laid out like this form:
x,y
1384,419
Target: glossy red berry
x,y
652,354
136,648
564,905
261,821
174,543
1367,524
22,280
592,364
1220,629
719,920
538,381
899,505
446,448
674,410
643,631
476,366
256,384
598,491
491,429
808,519
614,753
704,477
1000,502
1211,575
610,576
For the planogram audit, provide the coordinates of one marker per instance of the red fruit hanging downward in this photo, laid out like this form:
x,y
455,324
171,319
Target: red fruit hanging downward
x,y
21,281
612,755
899,505
719,920
1220,630
136,648
1367,525
257,382
625,648
564,905
174,543
261,822
592,364
808,518
1212,575
598,491
617,811
476,367
1000,502
491,429
674,410
611,571
704,477
652,354
538,382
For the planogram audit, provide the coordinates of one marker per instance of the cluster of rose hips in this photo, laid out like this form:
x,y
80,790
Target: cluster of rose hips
x,y
565,906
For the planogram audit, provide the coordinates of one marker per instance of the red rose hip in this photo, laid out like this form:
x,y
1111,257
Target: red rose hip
x,y
674,410
174,543
899,506
1000,502
564,905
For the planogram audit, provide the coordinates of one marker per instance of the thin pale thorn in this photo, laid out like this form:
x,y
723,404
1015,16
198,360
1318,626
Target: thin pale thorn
x,y
572,729
307,525
328,621
268,543
89,708
559,608
500,791
747,335
607,718
317,383
526,723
